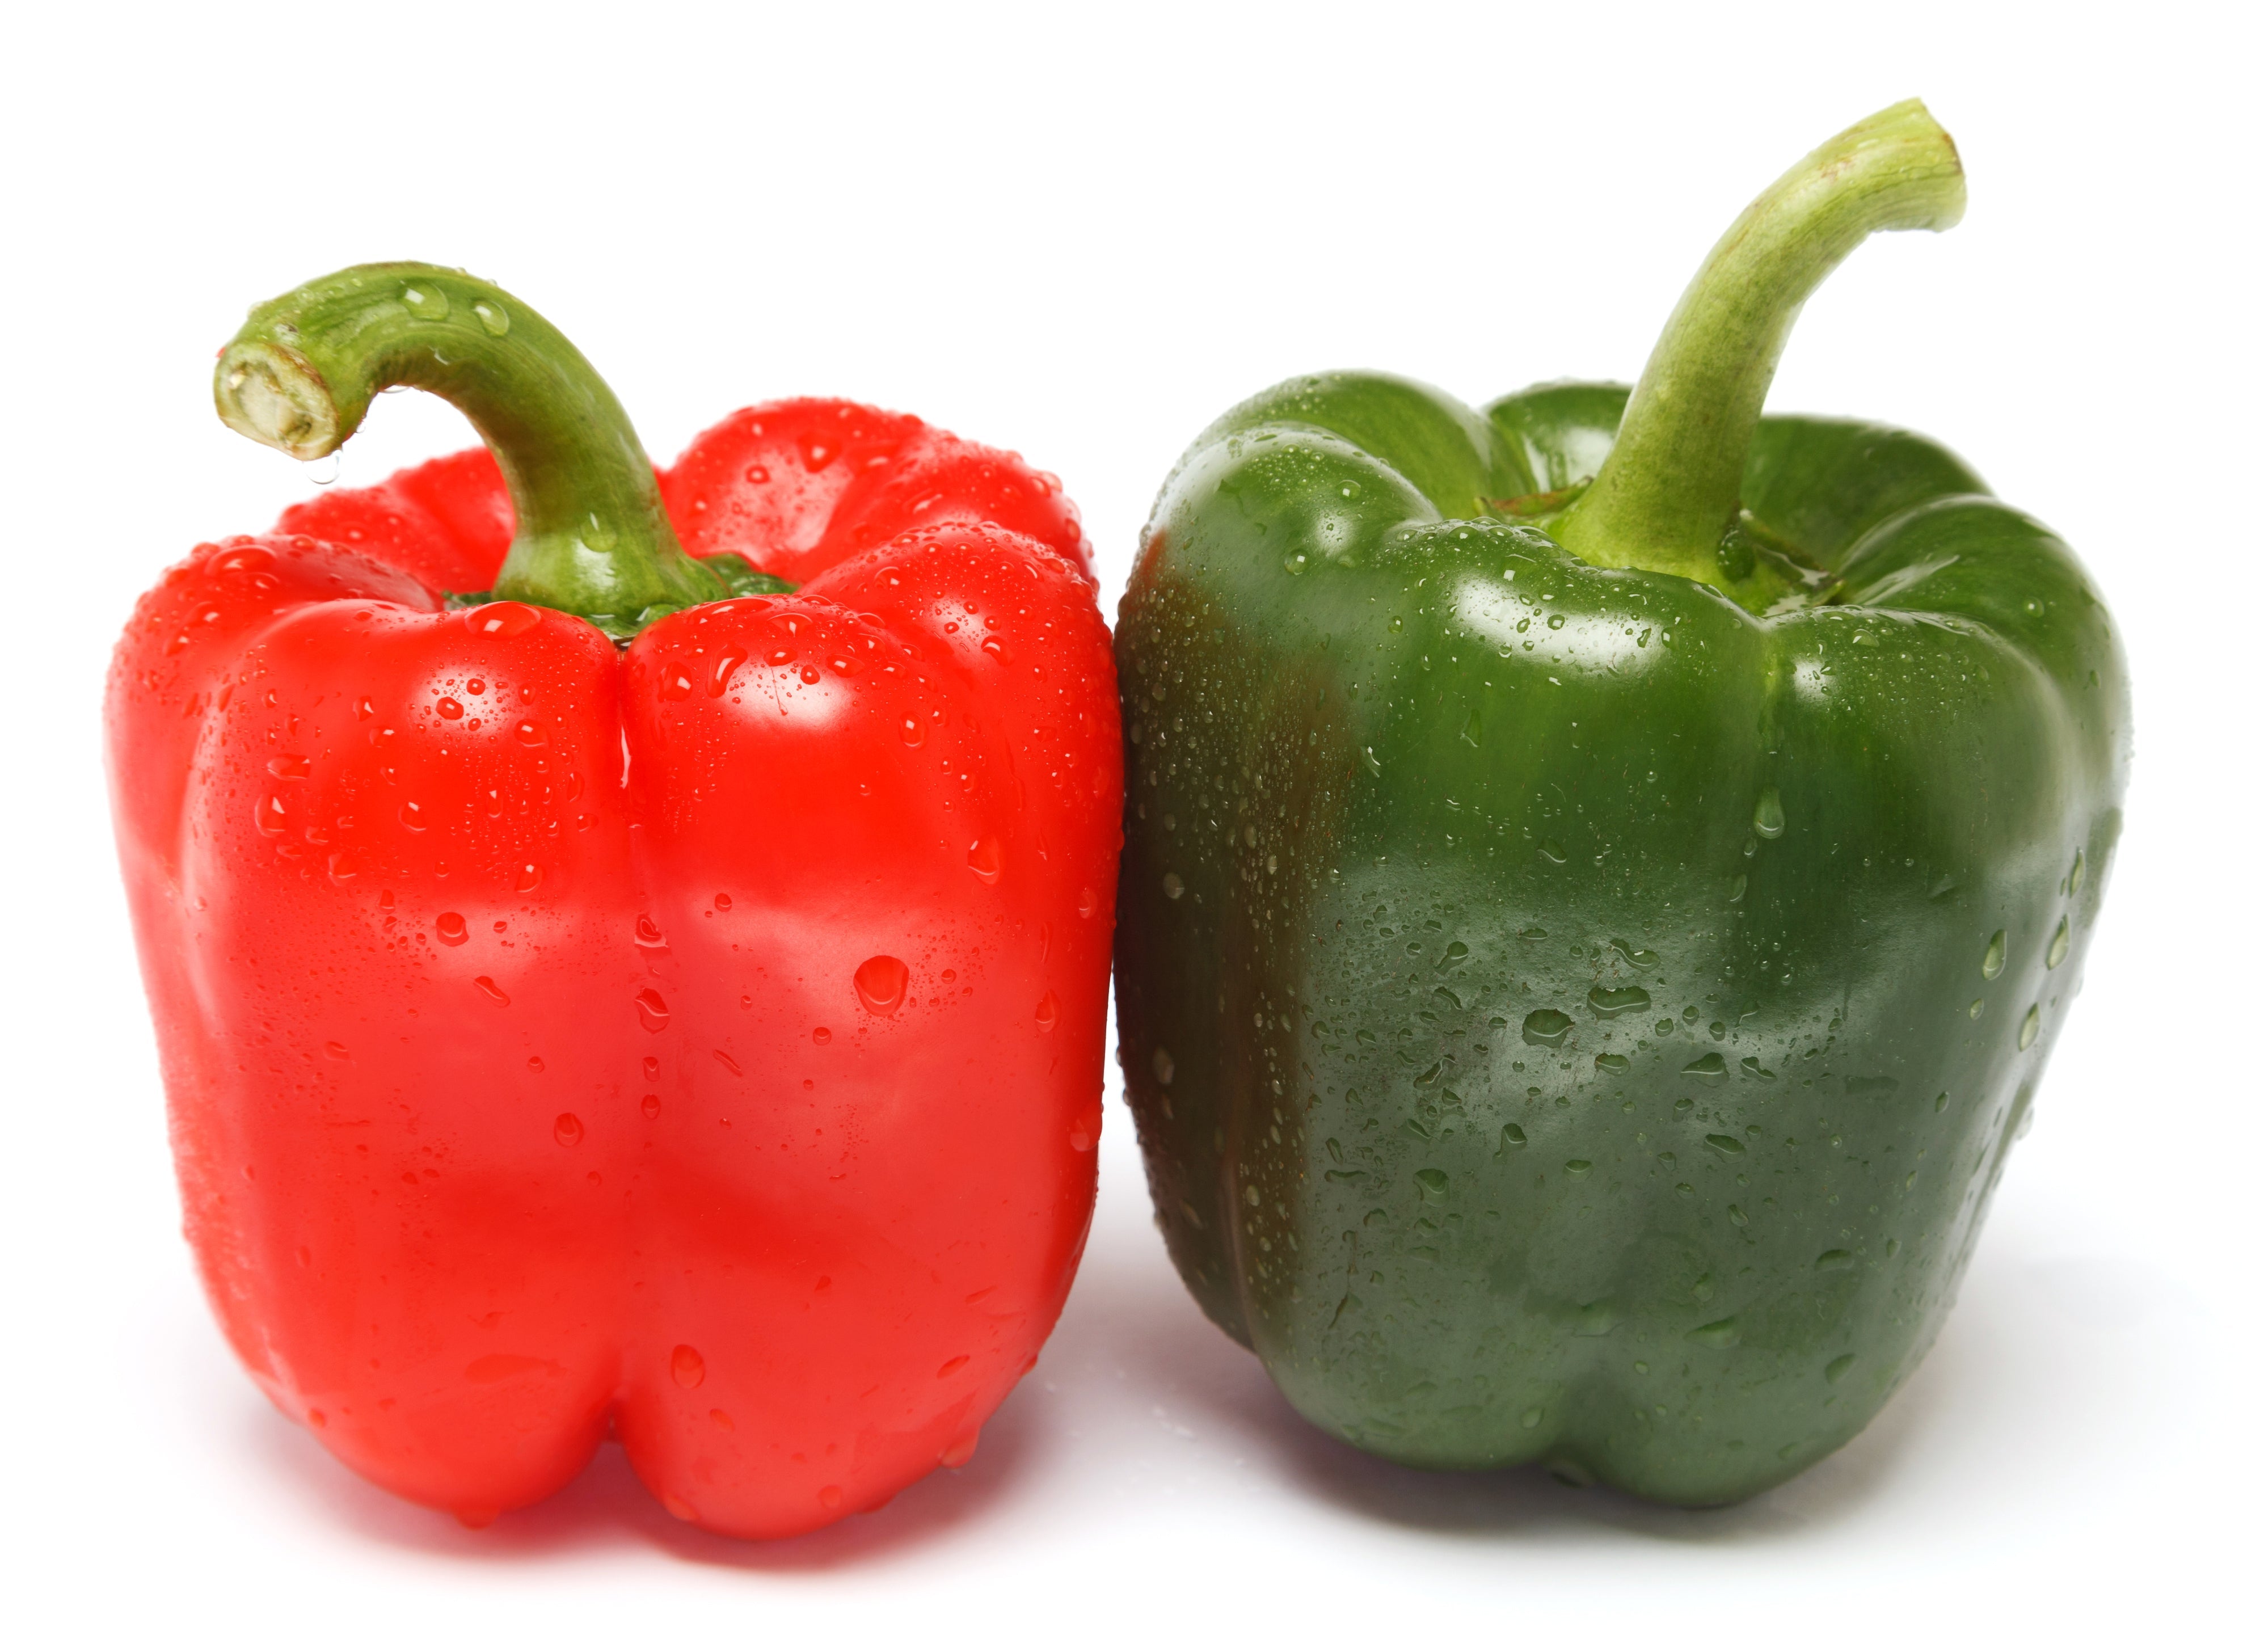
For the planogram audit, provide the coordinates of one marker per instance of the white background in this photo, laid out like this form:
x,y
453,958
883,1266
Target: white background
x,y
1081,236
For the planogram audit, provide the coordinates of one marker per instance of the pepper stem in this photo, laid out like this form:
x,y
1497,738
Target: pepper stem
x,y
593,538
1668,490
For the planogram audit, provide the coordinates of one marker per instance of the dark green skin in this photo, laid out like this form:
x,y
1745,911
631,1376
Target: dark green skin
x,y
1559,1011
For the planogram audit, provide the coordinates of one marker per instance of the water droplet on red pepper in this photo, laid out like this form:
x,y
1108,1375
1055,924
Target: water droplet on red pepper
x,y
529,733
675,685
728,660
529,875
568,1129
983,859
270,816
1087,903
823,1035
449,926
412,816
687,1366
652,1010
647,932
449,707
290,768
502,619
486,983
1048,1012
880,982
649,1106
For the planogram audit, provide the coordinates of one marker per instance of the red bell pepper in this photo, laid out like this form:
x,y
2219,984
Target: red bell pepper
x,y
699,1038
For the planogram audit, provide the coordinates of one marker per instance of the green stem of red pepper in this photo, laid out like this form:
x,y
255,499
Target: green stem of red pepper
x,y
592,538
1668,490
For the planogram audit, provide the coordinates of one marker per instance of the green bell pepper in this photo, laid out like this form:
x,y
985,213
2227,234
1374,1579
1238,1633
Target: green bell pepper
x,y
1603,875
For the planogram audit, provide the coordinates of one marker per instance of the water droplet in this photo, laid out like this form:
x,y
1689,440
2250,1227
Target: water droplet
x,y
719,677
687,1366
647,932
1833,1261
880,981
1729,1145
678,1507
2056,954
426,302
1433,1183
649,1106
1547,1028
336,1051
1973,1010
1610,1063
1173,889
652,1010
1551,850
1609,1003
568,1129
1512,1137
486,983
2029,1025
450,707
1838,1367
1992,962
1161,1064
597,533
1577,1168
1708,1065
830,1496
1768,814
1048,1012
1722,1333
529,875
983,859
1294,563
2075,874
493,316
449,926
1737,888
503,618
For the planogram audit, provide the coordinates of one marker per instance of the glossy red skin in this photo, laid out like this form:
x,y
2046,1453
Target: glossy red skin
x,y
630,1148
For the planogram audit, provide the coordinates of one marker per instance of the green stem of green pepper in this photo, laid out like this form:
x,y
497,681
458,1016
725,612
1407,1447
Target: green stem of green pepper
x,y
1668,490
592,538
